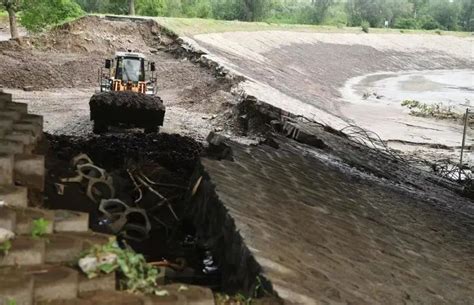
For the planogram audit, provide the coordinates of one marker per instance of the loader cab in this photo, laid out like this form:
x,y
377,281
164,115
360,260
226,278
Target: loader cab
x,y
129,71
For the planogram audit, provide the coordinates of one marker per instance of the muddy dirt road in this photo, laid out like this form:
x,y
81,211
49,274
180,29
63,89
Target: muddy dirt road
x,y
66,112
304,73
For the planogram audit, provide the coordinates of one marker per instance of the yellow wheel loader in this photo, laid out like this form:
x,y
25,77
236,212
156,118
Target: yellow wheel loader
x,y
127,95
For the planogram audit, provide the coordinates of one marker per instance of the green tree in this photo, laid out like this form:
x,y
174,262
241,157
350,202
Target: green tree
x,y
418,6
320,9
174,8
118,7
446,13
363,10
91,5
151,7
131,7
38,14
11,6
467,15
197,8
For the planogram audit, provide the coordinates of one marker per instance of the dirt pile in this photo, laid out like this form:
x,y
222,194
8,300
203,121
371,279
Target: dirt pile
x,y
71,54
170,150
127,107
97,35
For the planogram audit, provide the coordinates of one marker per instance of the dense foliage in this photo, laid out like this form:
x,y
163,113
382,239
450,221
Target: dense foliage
x,y
411,14
404,14
38,14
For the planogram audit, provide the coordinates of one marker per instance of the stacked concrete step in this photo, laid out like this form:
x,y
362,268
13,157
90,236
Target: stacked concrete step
x,y
19,167
176,294
35,268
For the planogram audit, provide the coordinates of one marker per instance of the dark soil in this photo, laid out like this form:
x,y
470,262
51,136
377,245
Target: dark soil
x,y
171,151
127,107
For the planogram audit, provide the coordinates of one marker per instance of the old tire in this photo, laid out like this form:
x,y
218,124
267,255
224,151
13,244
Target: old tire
x,y
100,127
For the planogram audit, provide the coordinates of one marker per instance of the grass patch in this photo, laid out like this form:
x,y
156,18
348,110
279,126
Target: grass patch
x,y
40,226
195,26
437,111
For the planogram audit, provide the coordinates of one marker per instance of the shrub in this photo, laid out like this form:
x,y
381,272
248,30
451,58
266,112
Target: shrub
x,y
428,23
405,23
365,25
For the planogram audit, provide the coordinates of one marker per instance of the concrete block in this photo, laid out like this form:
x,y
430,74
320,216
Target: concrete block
x,y
7,218
5,97
67,302
24,251
16,285
10,114
29,171
119,298
105,282
33,118
6,169
26,216
55,283
20,107
90,239
25,136
193,295
16,196
35,128
62,249
11,147
6,123
70,221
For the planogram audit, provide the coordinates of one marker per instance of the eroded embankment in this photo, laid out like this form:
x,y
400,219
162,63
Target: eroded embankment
x,y
194,225
270,206
303,73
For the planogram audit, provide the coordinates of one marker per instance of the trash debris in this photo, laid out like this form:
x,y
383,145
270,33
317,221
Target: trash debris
x,y
136,275
99,185
208,262
131,223
59,188
196,186
6,235
81,160
162,293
